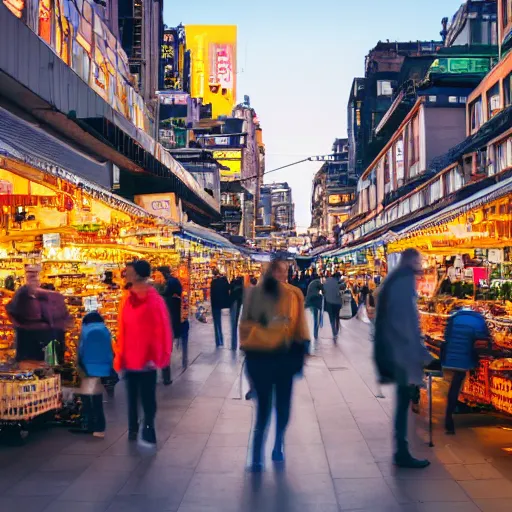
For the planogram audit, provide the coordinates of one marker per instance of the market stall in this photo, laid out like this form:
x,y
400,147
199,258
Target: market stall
x,y
468,262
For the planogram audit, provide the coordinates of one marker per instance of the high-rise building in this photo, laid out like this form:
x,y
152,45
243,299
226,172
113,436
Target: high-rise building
x,y
141,33
372,96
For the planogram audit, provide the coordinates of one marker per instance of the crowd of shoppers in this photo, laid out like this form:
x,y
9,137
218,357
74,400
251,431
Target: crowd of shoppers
x,y
273,335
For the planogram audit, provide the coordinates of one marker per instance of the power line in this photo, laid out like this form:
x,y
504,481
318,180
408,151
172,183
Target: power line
x,y
316,158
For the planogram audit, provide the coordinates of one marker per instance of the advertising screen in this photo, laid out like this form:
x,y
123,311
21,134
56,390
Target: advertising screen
x,y
213,65
232,159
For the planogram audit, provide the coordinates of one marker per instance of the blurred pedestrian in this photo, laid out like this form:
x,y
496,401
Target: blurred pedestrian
x,y
144,345
399,352
466,332
237,296
332,293
314,302
171,293
273,333
95,360
40,317
219,298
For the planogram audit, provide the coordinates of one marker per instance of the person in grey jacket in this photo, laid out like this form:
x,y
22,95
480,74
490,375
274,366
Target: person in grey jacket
x,y
314,300
400,354
332,293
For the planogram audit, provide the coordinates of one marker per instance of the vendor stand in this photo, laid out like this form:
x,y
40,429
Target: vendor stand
x,y
468,262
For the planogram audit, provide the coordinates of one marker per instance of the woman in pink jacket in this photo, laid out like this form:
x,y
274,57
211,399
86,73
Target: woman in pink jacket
x,y
144,345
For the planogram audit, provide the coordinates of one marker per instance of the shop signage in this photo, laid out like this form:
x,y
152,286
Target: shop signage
x,y
116,177
232,161
161,205
51,240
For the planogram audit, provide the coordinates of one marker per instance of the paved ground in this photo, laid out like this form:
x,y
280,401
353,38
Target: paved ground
x,y
338,449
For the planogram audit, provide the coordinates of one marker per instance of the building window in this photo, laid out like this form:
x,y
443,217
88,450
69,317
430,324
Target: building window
x,y
452,99
358,117
475,110
384,88
432,99
507,86
502,157
493,100
399,161
476,29
506,10
463,99
414,146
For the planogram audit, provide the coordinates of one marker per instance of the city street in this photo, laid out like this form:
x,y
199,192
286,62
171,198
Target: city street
x,y
338,448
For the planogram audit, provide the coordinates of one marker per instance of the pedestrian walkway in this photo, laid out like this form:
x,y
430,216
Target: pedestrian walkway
x,y
338,449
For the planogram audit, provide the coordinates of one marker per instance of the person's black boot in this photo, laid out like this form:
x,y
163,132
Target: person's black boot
x,y
257,452
166,375
406,460
449,426
278,451
86,414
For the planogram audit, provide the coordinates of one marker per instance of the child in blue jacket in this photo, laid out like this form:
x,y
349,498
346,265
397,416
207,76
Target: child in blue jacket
x,y
95,360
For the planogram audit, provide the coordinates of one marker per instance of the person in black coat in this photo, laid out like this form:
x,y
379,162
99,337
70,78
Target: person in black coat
x,y
220,299
237,297
171,293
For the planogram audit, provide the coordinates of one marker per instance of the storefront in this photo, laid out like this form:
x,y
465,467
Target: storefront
x,y
468,262
81,236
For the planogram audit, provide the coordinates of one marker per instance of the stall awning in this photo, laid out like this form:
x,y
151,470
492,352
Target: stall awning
x,y
28,143
33,145
453,211
355,248
206,236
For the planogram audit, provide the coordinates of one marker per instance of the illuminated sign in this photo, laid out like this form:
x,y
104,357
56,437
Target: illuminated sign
x,y
161,205
232,160
213,65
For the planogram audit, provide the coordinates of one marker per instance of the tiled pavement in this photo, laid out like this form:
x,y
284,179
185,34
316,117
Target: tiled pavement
x,y
338,449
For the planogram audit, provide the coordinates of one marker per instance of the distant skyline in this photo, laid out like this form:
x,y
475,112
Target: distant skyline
x,y
296,62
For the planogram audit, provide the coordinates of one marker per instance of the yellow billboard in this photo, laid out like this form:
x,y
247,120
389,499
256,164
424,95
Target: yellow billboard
x,y
231,159
213,65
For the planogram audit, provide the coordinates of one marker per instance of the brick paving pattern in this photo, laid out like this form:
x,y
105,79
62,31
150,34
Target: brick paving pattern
x,y
338,448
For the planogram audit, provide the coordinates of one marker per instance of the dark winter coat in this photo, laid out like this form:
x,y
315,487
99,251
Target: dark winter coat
x,y
399,352
220,293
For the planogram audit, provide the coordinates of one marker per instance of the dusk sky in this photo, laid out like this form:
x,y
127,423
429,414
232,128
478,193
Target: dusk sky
x,y
296,61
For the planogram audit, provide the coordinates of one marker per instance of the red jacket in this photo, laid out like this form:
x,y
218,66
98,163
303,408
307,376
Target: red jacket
x,y
144,334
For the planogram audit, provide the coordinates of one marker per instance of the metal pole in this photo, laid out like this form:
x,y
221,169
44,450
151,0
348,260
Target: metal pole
x,y
430,424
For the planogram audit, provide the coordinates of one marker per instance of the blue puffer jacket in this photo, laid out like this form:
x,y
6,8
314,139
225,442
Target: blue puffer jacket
x,y
463,329
95,354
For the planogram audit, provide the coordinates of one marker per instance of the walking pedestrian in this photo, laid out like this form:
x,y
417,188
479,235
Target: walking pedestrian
x,y
171,292
219,298
251,393
273,333
399,352
95,359
144,345
237,296
466,332
314,302
332,292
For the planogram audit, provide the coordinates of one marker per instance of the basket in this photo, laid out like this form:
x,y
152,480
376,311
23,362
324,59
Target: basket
x,y
24,400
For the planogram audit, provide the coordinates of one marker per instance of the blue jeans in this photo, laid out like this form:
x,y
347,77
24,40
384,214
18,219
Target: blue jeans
x,y
235,310
217,325
316,321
